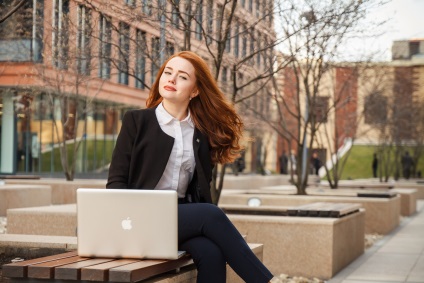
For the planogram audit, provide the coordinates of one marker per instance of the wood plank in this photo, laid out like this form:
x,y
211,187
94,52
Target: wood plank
x,y
20,269
146,269
346,208
100,272
73,271
46,270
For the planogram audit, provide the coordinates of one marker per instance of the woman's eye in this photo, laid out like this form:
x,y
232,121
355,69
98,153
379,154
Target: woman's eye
x,y
167,73
184,78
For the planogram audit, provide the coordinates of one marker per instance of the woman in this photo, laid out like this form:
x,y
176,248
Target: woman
x,y
187,128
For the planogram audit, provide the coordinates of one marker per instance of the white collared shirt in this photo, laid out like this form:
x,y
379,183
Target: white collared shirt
x,y
180,167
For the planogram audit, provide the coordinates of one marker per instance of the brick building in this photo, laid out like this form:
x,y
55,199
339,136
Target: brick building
x,y
69,69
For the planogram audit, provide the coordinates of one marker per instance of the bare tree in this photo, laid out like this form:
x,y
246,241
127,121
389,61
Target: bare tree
x,y
313,32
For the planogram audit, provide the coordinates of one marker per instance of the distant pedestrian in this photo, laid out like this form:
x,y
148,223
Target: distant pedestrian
x,y
316,163
374,165
407,164
283,163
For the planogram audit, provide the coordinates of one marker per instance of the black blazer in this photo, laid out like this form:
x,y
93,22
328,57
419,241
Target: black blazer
x,y
142,151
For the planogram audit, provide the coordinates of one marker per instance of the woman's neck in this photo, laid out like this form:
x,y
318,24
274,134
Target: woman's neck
x,y
177,111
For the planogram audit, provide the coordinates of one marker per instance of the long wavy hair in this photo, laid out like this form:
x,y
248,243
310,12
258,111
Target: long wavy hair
x,y
212,113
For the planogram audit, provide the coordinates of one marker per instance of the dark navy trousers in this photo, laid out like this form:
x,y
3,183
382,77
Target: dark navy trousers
x,y
205,232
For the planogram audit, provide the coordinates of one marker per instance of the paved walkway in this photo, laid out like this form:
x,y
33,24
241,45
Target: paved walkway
x,y
397,257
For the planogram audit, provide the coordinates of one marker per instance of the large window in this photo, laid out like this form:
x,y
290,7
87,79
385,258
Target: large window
x,y
60,34
236,39
140,65
320,109
199,20
375,109
175,18
21,34
83,40
124,50
245,36
210,20
147,7
105,36
155,57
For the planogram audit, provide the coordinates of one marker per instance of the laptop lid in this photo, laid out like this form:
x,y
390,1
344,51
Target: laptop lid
x,y
127,223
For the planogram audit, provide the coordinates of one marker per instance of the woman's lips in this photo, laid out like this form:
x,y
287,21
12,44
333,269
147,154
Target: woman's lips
x,y
170,88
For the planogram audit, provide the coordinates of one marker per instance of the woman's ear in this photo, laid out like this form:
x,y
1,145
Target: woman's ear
x,y
195,93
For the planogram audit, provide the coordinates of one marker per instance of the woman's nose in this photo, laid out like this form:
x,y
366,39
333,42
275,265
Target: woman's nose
x,y
171,79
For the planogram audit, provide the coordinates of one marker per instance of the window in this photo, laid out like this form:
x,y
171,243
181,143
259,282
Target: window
x,y
219,20
140,60
252,44
175,14
228,42
146,7
130,2
169,50
244,41
236,39
124,50
250,6
199,20
243,3
83,40
155,57
22,33
375,109
320,109
60,33
210,19
258,52
258,8
105,47
224,75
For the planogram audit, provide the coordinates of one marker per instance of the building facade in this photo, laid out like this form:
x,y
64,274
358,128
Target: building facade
x,y
69,69
365,103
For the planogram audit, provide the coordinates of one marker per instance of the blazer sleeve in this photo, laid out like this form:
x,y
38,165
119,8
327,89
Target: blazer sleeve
x,y
119,169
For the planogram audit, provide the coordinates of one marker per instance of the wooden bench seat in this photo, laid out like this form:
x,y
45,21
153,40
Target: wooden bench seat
x,y
377,194
318,209
70,266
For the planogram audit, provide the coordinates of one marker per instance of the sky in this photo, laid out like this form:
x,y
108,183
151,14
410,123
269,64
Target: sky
x,y
405,20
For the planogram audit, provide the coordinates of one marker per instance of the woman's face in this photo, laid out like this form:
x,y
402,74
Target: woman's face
x,y
177,83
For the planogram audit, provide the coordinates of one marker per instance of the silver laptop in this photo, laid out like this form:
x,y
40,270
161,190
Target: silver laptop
x,y
127,223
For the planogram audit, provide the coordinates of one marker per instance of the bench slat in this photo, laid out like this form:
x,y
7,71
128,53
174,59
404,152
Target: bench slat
x,y
145,269
73,271
45,270
100,272
20,269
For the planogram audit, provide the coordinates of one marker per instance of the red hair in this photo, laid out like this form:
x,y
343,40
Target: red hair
x,y
211,111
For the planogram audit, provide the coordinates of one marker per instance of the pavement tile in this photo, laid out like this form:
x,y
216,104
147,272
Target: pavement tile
x,y
404,245
417,273
386,267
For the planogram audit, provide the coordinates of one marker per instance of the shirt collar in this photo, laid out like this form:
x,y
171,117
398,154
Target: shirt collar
x,y
165,118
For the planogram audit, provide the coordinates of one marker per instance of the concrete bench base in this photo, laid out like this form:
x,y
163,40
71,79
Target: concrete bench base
x,y
15,196
382,214
63,192
55,220
305,246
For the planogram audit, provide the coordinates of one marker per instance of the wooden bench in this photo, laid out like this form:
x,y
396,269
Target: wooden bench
x,y
318,209
70,266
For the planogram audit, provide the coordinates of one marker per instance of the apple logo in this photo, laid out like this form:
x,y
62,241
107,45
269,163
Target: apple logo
x,y
126,224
